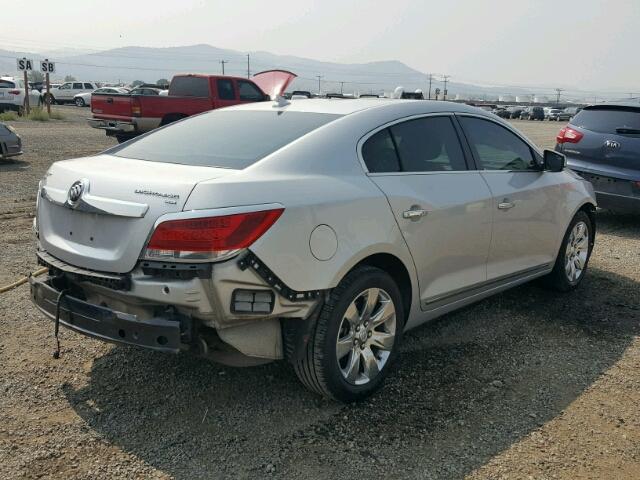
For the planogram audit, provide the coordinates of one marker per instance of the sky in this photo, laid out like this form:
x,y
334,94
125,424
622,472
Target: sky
x,y
584,44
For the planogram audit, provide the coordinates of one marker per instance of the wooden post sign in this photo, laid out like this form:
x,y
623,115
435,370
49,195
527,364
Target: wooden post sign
x,y
25,65
47,67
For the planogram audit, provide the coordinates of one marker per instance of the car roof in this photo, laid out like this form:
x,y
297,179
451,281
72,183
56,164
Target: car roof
x,y
339,106
595,106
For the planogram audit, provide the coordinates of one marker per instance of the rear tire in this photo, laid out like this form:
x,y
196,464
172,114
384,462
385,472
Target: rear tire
x,y
80,102
573,257
356,339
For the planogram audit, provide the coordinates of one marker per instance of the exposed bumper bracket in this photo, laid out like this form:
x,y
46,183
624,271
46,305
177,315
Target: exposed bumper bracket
x,y
250,260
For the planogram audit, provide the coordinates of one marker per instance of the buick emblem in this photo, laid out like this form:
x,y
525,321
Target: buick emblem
x,y
612,144
76,190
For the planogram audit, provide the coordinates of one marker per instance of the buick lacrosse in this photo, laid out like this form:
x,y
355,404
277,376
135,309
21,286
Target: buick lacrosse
x,y
316,231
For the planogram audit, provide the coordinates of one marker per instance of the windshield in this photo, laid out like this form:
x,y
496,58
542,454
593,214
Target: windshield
x,y
607,120
224,138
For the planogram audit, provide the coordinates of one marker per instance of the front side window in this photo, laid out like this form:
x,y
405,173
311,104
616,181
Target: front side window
x,y
221,138
495,147
65,86
225,89
248,91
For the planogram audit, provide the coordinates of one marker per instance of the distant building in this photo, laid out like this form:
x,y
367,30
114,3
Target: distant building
x,y
506,98
523,98
540,99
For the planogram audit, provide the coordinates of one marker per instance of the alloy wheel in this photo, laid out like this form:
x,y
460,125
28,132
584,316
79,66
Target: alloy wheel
x,y
366,336
577,251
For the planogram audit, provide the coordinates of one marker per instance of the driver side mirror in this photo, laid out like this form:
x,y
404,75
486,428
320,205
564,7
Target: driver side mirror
x,y
554,161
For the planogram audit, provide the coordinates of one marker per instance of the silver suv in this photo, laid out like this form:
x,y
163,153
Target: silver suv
x,y
316,231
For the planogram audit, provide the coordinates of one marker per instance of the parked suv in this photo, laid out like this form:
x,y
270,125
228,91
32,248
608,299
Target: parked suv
x,y
66,92
12,94
532,113
315,231
602,143
559,115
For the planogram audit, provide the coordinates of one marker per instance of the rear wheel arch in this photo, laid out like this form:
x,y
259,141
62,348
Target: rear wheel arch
x,y
398,271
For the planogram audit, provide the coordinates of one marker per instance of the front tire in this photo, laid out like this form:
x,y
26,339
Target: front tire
x,y
573,257
356,339
79,102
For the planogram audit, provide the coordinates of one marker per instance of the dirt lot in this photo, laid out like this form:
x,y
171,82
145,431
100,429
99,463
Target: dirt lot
x,y
527,384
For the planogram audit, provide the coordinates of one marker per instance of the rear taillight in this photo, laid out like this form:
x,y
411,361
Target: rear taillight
x,y
208,238
135,107
569,135
15,92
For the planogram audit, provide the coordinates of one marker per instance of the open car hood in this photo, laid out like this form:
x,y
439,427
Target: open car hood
x,y
273,82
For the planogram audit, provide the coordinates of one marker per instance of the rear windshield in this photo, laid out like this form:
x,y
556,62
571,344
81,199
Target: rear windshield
x,y
227,139
7,84
607,120
189,87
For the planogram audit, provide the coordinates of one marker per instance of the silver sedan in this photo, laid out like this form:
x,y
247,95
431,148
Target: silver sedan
x,y
316,231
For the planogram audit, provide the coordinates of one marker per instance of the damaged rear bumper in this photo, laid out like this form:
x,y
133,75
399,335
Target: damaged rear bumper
x,y
162,334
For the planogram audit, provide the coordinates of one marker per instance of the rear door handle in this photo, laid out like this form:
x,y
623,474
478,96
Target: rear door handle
x,y
506,204
414,213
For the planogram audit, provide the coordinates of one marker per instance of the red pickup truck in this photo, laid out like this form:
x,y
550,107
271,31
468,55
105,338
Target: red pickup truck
x,y
125,116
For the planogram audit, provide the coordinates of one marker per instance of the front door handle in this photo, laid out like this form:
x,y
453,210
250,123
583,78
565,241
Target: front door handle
x,y
506,204
414,213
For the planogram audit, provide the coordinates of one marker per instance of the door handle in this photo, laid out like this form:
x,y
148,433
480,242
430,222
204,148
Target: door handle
x,y
414,213
506,204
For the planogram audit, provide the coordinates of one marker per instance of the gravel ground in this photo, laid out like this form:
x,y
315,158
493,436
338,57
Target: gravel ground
x,y
527,384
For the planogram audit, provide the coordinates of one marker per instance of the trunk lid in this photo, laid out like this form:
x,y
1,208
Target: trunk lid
x,y
120,199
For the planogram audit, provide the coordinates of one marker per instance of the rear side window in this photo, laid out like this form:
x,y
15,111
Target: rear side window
x,y
379,153
496,147
428,145
88,86
7,84
248,91
77,86
225,89
421,145
189,87
607,120
223,138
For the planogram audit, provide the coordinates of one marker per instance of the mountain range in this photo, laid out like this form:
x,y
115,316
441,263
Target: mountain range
x,y
149,64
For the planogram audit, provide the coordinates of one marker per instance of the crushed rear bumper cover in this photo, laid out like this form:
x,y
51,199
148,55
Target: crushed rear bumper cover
x,y
105,324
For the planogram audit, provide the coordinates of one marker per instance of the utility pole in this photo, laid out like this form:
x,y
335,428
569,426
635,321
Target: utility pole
x,y
430,80
341,87
222,62
558,92
319,89
248,69
445,79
